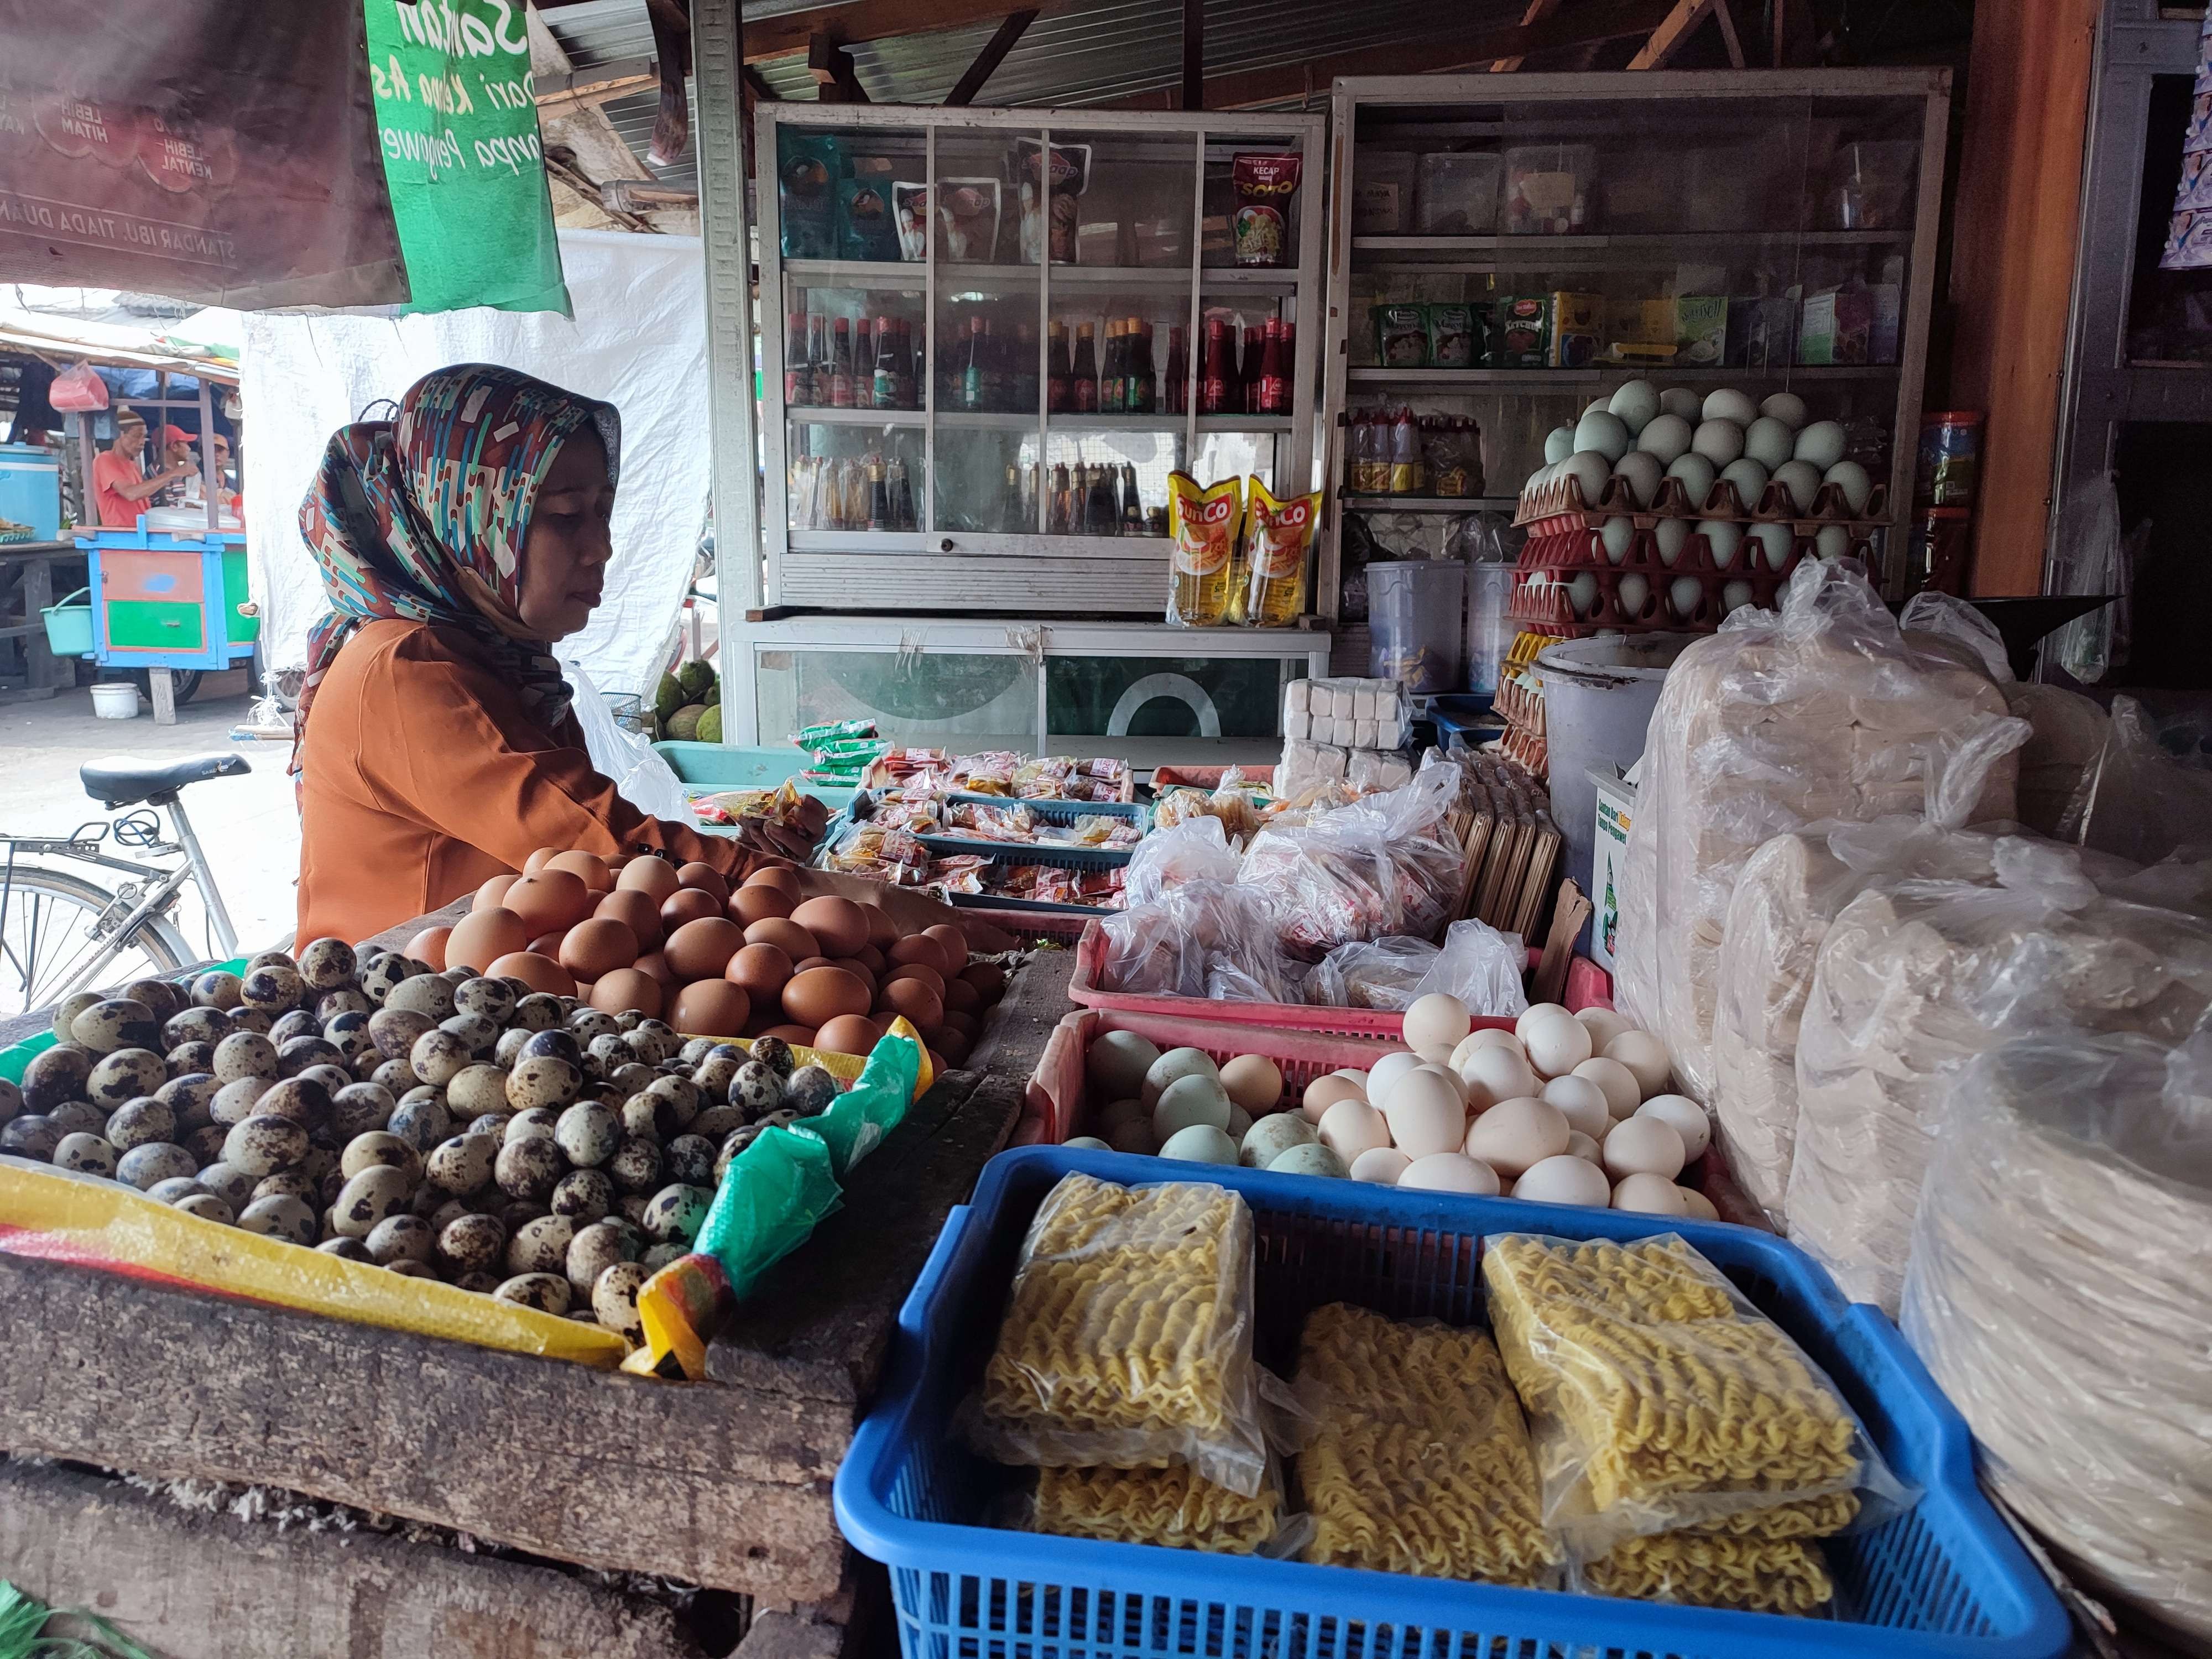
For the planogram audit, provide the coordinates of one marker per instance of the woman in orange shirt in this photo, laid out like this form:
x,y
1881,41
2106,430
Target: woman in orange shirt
x,y
436,744
120,489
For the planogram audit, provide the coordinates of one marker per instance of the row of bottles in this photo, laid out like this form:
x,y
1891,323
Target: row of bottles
x,y
843,493
1253,376
1085,499
824,367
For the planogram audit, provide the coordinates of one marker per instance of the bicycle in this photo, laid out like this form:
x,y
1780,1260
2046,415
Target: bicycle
x,y
61,934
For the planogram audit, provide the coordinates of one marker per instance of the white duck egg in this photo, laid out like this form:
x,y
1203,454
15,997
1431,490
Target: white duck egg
x,y
1696,1206
1176,1063
1802,480
1565,1179
1733,597
1118,1063
1727,404
1583,1103
1671,535
1426,1115
1314,1160
1774,541
1667,436
1635,592
1687,1118
1641,472
1748,478
1435,1019
1381,1165
1558,444
1643,1146
1534,1014
1697,475
1581,593
1635,403
1493,1074
1487,1036
1556,1043
1684,594
1851,478
1202,1143
1723,537
1648,1195
1450,1172
1821,444
1831,541
1590,471
1515,1134
1605,1025
1190,1100
1614,1080
1682,401
1614,535
1786,407
1582,1147
1769,442
1271,1136
1383,1075
1601,430
1351,1126
1645,1055
1719,441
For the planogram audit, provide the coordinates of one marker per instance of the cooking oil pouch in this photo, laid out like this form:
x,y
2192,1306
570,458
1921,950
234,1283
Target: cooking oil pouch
x,y
1126,1341
1661,1401
1277,536
775,1193
1203,522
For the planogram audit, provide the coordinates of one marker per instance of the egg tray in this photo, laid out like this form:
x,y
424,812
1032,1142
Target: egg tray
x,y
1582,549
1538,602
1559,506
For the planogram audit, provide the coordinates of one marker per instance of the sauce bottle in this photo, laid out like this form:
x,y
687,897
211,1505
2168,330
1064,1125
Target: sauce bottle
x,y
1214,390
1175,391
840,365
798,366
1085,384
1058,390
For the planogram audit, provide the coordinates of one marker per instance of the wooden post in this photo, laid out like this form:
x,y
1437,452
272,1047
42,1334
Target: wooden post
x,y
1193,54
165,696
2012,267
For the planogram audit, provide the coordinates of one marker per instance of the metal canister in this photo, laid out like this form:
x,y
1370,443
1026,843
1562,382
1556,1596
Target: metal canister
x,y
1950,458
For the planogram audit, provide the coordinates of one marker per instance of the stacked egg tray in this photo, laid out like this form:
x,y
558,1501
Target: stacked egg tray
x,y
1522,708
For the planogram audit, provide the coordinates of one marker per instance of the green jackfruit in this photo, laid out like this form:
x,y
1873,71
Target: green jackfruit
x,y
669,696
710,725
696,678
683,724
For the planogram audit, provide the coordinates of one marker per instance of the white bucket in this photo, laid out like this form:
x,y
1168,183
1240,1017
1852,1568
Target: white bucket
x,y
115,700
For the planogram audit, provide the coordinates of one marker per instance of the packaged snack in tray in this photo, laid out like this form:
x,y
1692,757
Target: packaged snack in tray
x,y
1264,187
992,823
812,736
1703,1570
989,774
1126,1341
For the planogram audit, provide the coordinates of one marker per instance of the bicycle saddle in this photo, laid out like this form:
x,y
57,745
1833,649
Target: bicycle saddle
x,y
118,780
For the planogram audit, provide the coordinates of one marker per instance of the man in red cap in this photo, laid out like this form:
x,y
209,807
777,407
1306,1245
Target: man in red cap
x,y
176,453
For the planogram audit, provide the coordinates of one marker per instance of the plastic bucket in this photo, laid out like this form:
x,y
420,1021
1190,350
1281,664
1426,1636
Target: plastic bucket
x,y
1598,698
115,700
1414,610
68,626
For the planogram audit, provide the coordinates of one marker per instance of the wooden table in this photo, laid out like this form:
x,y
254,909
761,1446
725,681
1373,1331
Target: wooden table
x,y
726,1482
26,570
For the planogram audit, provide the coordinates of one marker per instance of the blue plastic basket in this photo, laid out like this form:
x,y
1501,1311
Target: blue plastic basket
x,y
1944,1578
1052,812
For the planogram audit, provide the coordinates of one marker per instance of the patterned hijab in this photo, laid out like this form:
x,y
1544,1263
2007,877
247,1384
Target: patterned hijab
x,y
425,517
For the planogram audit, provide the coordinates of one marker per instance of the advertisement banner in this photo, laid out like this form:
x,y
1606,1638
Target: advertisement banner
x,y
219,151
457,124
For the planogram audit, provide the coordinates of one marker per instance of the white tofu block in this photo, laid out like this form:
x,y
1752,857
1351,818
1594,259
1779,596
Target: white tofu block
x,y
1297,696
1389,733
1340,705
1298,724
1341,732
1362,734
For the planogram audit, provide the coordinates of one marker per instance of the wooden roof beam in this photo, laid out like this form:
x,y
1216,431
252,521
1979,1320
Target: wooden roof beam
x,y
1537,12
1673,31
987,60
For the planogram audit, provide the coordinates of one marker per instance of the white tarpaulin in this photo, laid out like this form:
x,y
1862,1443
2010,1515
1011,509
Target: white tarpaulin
x,y
639,340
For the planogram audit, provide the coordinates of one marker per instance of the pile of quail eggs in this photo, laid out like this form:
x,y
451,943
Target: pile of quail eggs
x,y
441,1125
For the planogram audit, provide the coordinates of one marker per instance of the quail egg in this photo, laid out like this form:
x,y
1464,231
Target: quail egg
x,y
529,1168
287,1219
546,1292
541,1246
86,1153
676,1212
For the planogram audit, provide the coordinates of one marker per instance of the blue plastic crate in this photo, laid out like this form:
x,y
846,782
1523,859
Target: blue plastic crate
x,y
1945,1578
948,844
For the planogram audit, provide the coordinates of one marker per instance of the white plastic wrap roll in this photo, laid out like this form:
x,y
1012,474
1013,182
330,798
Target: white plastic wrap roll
x,y
2057,1294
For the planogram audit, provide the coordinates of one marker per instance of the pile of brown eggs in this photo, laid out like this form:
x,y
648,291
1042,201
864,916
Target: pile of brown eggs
x,y
452,1125
641,935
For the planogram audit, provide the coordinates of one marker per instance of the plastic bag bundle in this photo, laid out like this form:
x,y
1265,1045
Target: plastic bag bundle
x,y
2059,763
1660,1401
1127,1337
1202,938
1476,964
1387,864
1194,849
1790,891
2057,1294
1173,1507
1823,710
1915,979
1419,1459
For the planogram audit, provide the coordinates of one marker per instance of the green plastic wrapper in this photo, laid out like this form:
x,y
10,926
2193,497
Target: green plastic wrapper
x,y
813,737
776,1192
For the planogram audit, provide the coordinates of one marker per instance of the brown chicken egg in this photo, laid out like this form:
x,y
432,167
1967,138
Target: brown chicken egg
x,y
961,998
713,1007
801,1036
859,970
703,949
918,947
589,867
538,859
964,1023
847,1034
705,878
921,970
820,995
687,904
753,903
787,936
838,924
648,875
914,1000
551,900
873,959
429,945
655,966
493,892
781,876
597,946
539,972
485,934
949,1046
636,911
549,945
988,977
882,931
952,942
762,969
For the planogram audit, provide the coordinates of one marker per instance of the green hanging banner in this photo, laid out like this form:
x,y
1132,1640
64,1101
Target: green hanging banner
x,y
458,125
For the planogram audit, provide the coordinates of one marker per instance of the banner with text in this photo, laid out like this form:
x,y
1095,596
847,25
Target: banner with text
x,y
457,126
219,151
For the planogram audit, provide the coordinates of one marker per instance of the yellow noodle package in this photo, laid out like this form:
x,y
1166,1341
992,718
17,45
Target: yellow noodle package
x,y
1418,1460
1173,1507
1660,1401
1127,1337
1701,1569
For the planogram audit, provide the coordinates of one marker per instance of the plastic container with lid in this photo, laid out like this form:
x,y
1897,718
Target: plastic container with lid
x,y
1456,193
1550,190
1383,193
1413,609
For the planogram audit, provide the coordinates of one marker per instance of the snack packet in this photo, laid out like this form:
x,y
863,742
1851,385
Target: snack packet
x,y
1264,186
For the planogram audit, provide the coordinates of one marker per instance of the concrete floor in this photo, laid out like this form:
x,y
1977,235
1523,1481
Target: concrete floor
x,y
249,826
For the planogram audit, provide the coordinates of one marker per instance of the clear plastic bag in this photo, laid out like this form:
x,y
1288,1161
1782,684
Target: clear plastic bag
x,y
2058,764
1419,1461
1127,1337
2089,556
1911,982
2056,1294
1379,973
1481,966
1661,1401
2138,801
1706,1570
1172,1507
641,776
1195,849
1477,963
1387,864
1939,616
1201,938
1819,710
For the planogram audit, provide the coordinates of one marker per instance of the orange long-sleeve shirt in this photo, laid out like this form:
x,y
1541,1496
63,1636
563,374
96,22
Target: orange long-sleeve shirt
x,y
425,777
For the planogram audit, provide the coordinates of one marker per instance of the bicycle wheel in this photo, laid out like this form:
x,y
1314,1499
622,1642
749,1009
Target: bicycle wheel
x,y
58,935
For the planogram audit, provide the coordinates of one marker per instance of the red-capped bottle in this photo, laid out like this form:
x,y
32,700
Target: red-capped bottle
x,y
840,365
1215,389
1248,373
1274,397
